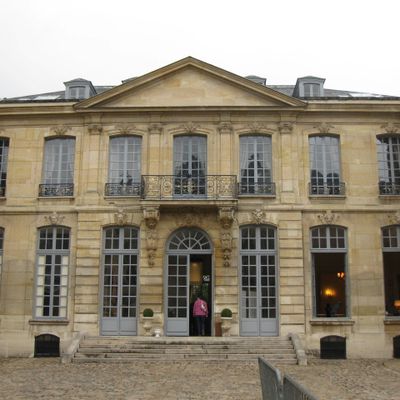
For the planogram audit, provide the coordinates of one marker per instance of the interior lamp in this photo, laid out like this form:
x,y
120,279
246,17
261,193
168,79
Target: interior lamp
x,y
340,275
328,292
397,304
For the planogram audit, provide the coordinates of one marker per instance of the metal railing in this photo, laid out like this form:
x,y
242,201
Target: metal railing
x,y
123,189
171,187
327,189
56,190
389,189
2,191
256,189
274,386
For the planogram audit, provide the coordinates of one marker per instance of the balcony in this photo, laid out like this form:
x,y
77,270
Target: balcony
x,y
207,187
56,190
389,189
327,189
123,189
256,189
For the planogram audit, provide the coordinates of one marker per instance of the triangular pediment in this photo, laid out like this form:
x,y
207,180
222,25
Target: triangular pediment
x,y
189,83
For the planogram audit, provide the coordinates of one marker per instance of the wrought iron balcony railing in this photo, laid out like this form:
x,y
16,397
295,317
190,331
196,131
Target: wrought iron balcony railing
x,y
327,189
256,189
389,189
56,190
2,191
123,189
208,187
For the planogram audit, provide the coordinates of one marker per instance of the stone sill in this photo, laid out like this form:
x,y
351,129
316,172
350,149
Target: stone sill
x,y
331,322
326,197
56,197
256,196
121,197
389,196
392,321
48,322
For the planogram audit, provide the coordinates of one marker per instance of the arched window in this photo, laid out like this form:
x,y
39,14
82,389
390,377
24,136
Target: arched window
x,y
256,165
329,251
52,270
124,166
58,167
325,166
391,269
189,239
389,164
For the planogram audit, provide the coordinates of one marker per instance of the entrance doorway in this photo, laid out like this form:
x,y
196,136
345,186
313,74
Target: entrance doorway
x,y
188,274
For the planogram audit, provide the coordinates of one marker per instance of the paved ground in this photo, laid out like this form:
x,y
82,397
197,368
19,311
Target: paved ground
x,y
32,379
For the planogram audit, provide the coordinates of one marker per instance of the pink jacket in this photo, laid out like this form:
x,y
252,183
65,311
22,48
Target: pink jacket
x,y
200,308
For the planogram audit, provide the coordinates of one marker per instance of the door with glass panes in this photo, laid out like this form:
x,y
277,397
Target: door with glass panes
x,y
258,281
190,160
119,281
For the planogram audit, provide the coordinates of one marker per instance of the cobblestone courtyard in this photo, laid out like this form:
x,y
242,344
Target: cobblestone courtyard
x,y
330,380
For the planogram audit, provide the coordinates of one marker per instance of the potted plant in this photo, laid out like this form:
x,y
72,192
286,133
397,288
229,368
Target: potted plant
x,y
148,316
226,321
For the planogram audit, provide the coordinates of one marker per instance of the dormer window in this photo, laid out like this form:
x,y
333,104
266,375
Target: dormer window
x,y
309,86
79,89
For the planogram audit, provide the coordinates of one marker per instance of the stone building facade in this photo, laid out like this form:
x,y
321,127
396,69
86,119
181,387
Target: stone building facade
x,y
279,203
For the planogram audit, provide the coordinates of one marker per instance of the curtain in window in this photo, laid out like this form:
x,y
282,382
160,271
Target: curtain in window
x,y
59,161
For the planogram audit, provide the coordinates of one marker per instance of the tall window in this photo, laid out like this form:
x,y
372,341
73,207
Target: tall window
x,y
3,165
1,250
325,166
190,166
58,168
328,248
256,165
52,272
391,269
389,164
124,166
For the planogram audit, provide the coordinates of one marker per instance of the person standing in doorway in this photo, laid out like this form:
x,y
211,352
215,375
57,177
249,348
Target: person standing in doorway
x,y
200,313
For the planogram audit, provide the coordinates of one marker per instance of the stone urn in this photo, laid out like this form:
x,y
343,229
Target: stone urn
x,y
226,321
148,317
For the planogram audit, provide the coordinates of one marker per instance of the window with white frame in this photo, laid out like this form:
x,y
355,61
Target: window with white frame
x,y
124,166
77,92
389,164
312,89
325,166
256,165
391,269
52,272
329,251
58,167
3,165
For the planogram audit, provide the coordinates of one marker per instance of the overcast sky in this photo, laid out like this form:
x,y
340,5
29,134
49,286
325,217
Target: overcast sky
x,y
354,44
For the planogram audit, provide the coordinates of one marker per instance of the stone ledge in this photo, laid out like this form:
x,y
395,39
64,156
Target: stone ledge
x,y
326,197
331,322
392,321
48,322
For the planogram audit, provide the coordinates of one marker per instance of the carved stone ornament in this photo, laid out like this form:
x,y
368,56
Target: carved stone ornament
x,y
226,216
394,219
226,244
323,127
155,129
258,216
190,127
121,217
151,245
151,216
54,218
285,127
190,217
60,129
225,127
125,129
391,128
256,127
328,217
95,129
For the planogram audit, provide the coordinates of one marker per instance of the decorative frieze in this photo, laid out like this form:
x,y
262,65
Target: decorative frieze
x,y
151,216
60,130
121,217
226,216
190,127
151,246
391,128
226,245
95,129
54,219
225,127
155,129
324,127
125,129
258,216
394,219
328,217
285,127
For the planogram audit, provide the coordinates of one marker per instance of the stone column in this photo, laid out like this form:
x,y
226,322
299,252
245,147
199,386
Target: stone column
x,y
225,157
91,163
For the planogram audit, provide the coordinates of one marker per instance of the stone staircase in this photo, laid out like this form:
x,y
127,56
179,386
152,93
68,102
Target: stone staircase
x,y
277,350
